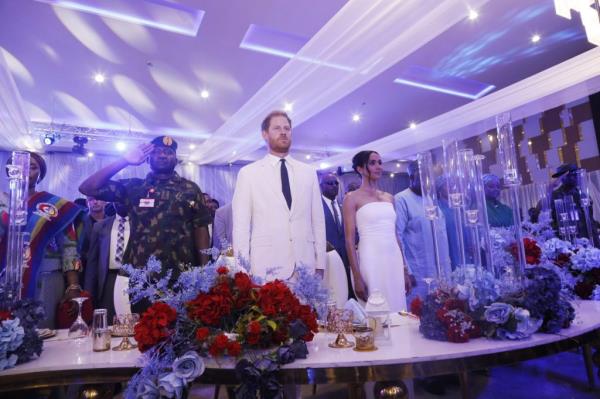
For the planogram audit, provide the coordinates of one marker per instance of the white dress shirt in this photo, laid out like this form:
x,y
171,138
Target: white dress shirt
x,y
275,162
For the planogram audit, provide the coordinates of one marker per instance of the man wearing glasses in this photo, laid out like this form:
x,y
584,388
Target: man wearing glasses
x,y
168,218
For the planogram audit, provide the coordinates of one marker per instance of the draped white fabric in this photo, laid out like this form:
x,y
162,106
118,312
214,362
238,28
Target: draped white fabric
x,y
66,171
13,118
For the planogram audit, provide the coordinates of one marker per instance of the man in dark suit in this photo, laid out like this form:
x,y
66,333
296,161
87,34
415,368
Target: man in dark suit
x,y
108,241
334,225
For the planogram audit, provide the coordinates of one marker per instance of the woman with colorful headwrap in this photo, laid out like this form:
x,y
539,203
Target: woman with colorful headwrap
x,y
52,263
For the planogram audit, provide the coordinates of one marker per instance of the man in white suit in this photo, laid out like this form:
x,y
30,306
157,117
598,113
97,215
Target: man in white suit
x,y
278,219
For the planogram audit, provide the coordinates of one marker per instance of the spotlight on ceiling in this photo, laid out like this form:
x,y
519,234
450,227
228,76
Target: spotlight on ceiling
x,y
121,146
473,14
90,154
192,146
99,78
535,38
413,125
307,156
204,94
49,138
356,118
288,107
79,147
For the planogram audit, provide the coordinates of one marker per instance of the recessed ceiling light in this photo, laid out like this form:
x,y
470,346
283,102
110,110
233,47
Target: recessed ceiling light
x,y
204,94
392,175
308,156
233,152
288,107
90,154
413,125
397,164
323,165
192,146
99,78
535,38
473,14
121,146
356,118
490,138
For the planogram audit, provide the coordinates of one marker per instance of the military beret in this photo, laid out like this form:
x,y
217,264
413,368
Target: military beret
x,y
165,141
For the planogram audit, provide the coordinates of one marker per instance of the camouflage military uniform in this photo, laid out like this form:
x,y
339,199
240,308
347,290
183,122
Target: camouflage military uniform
x,y
166,229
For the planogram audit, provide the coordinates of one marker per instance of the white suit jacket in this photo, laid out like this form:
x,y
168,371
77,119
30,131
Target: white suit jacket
x,y
265,231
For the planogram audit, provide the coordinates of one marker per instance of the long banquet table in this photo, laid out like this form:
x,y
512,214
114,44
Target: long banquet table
x,y
406,355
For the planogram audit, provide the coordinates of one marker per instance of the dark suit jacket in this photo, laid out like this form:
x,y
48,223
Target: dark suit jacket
x,y
98,258
335,237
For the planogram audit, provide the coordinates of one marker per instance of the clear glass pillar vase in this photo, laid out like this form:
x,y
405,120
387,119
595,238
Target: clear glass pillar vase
x,y
18,176
507,157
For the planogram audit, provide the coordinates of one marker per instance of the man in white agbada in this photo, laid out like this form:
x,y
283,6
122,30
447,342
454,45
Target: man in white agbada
x,y
414,232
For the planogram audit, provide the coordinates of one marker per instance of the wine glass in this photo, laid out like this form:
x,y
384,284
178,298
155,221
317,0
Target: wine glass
x,y
79,328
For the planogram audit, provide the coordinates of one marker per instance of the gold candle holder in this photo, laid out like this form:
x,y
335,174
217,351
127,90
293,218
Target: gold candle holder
x,y
123,326
341,323
365,339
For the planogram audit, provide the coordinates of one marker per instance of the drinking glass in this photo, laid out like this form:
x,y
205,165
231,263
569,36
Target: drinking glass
x,y
79,328
100,331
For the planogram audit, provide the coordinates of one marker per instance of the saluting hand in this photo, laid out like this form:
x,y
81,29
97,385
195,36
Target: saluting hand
x,y
139,154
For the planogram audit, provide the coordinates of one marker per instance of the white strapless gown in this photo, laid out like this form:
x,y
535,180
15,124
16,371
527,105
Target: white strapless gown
x,y
380,260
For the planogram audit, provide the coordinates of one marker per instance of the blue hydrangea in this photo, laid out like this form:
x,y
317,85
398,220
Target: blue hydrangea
x,y
11,338
586,259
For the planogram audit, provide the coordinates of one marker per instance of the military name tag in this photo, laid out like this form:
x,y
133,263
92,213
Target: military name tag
x,y
146,202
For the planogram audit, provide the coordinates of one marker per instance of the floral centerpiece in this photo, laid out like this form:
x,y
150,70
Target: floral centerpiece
x,y
475,307
19,340
213,311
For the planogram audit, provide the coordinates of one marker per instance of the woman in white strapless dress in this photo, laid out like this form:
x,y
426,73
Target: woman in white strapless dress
x,y
379,264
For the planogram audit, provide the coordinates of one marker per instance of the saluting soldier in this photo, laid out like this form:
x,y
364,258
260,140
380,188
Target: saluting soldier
x,y
168,218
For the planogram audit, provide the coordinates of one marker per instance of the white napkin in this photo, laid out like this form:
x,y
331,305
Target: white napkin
x,y
358,313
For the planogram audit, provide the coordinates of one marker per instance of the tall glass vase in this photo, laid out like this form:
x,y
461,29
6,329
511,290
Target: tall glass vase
x,y
475,209
484,225
18,176
431,206
455,195
507,157
585,203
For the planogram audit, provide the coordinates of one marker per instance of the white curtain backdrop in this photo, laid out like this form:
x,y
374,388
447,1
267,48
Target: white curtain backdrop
x,y
66,172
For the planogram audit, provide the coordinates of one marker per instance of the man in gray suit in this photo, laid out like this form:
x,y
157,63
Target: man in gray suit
x,y
108,241
222,227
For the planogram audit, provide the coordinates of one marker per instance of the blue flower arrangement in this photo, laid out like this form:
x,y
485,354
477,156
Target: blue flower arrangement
x,y
19,340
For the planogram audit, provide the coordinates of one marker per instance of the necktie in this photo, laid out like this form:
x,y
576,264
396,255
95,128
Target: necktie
x,y
120,241
336,216
285,184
